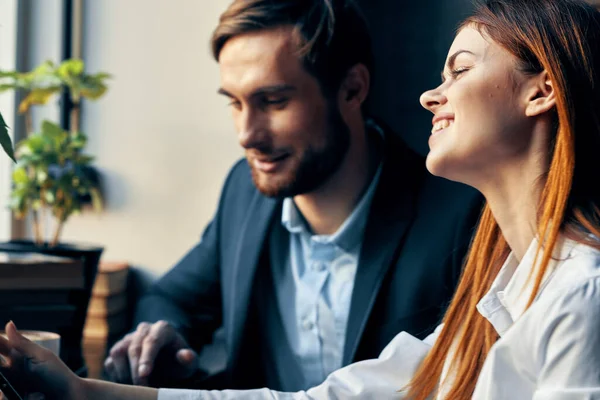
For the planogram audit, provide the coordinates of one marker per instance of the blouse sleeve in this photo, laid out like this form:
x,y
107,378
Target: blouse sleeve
x,y
570,349
380,378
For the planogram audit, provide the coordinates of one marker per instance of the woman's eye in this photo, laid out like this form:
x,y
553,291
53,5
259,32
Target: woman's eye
x,y
458,71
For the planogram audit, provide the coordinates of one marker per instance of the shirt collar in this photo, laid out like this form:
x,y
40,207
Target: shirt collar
x,y
350,233
507,299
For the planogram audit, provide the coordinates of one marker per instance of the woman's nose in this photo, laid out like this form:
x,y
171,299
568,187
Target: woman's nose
x,y
433,99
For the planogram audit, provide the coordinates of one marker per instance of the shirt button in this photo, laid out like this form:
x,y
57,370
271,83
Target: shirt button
x,y
318,266
307,324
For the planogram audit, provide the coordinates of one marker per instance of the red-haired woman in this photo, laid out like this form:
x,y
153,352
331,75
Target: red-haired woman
x,y
517,117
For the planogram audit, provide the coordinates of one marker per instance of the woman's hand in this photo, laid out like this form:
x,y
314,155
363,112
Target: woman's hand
x,y
36,372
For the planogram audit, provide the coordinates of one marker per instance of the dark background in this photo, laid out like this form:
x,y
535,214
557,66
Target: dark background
x,y
410,41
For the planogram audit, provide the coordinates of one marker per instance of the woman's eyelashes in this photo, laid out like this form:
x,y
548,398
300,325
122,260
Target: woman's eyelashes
x,y
456,72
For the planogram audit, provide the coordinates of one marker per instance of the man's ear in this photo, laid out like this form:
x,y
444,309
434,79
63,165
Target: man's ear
x,y
541,95
355,87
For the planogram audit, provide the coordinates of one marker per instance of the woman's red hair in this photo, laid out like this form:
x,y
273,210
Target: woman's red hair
x,y
561,37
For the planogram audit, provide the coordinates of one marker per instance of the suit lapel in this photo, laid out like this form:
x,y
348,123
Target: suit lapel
x,y
254,233
390,216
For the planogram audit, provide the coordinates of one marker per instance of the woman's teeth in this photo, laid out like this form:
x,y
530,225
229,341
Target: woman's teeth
x,y
442,124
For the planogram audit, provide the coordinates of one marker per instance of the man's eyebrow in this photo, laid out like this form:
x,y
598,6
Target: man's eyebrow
x,y
224,92
273,89
452,61
265,90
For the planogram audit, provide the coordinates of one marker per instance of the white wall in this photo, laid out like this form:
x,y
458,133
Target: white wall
x,y
41,39
163,138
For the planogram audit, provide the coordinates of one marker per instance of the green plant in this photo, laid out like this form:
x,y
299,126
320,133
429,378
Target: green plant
x,y
53,172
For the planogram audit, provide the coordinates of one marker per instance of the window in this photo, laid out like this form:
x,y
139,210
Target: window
x,y
8,61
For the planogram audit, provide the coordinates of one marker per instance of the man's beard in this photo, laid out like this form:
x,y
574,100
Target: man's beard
x,y
315,167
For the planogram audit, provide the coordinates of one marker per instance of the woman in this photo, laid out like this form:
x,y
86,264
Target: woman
x,y
517,117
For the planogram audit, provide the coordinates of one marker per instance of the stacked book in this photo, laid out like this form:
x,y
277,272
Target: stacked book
x,y
107,317
43,292
35,290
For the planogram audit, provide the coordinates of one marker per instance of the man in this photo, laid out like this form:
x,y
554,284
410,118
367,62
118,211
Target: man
x,y
329,239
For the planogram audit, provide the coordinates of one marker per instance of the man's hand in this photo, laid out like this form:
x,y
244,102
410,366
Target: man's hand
x,y
133,358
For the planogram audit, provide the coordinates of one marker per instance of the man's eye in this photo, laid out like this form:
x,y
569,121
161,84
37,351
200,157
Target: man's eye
x,y
235,104
275,101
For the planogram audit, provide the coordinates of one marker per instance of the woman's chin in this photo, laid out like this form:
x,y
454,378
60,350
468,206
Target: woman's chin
x,y
443,167
435,164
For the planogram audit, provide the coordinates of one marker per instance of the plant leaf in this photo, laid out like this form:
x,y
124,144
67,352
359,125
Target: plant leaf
x,y
49,197
97,201
5,141
43,69
53,132
70,68
34,144
42,176
93,92
37,96
8,86
85,159
20,176
100,76
9,74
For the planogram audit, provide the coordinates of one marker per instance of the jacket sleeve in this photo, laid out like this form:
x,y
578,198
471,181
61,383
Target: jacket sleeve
x,y
189,295
382,378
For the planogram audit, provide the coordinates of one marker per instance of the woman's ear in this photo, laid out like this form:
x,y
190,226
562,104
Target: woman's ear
x,y
541,97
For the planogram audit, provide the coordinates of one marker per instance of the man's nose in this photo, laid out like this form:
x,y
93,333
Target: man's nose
x,y
252,129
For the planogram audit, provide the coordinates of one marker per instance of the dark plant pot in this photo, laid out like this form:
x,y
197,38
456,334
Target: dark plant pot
x,y
71,336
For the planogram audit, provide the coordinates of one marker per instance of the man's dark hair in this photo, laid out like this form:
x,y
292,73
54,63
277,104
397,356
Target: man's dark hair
x,y
332,35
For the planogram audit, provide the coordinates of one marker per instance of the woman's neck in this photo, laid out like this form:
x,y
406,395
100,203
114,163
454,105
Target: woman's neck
x,y
513,189
513,199
516,217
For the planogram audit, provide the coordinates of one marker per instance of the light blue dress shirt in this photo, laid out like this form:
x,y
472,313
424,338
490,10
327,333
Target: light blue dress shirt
x,y
314,287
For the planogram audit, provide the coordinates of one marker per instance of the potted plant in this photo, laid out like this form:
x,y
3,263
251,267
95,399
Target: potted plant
x,y
54,178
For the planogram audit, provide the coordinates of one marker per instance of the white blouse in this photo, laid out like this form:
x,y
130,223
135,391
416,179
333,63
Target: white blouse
x,y
550,351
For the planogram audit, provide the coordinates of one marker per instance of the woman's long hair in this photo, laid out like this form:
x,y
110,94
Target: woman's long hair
x,y
561,37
